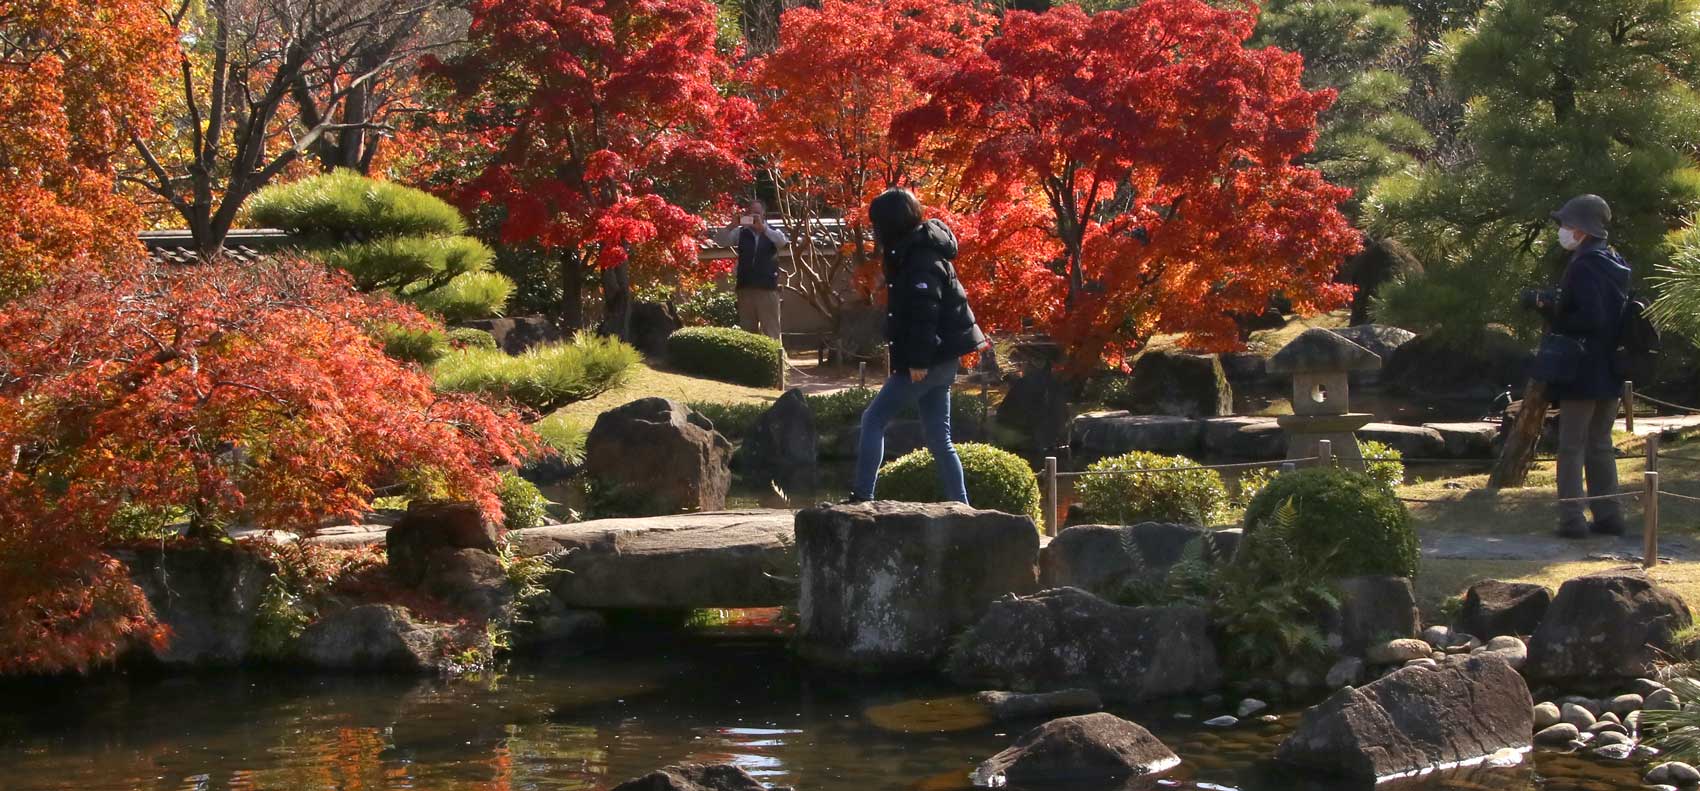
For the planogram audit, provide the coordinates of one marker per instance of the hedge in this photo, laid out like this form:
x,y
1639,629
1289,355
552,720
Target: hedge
x,y
345,205
727,354
1345,518
1196,497
544,378
997,480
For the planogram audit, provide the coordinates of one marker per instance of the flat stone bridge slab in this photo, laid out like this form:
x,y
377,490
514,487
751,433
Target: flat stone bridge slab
x,y
676,562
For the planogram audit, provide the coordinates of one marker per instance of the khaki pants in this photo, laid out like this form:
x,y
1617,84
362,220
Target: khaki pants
x,y
758,311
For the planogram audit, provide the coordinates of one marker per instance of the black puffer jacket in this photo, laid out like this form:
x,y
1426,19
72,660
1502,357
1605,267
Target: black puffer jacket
x,y
927,318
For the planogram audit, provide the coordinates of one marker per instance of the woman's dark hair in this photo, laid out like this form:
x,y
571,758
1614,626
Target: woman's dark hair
x,y
893,214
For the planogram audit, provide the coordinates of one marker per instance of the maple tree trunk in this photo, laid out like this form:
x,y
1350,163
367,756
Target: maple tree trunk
x,y
571,312
1512,469
617,302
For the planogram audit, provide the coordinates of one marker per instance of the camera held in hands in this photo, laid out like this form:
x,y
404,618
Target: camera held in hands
x,y
1538,299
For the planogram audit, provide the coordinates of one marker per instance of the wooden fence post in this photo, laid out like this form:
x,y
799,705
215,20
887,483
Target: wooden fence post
x,y
1629,407
862,372
1653,452
1050,496
1512,469
1325,452
1650,513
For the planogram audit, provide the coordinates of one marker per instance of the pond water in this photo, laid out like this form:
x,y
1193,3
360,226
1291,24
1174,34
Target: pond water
x,y
589,723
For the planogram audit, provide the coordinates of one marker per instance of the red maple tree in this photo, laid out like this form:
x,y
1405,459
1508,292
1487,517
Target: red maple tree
x,y
597,126
227,392
74,74
1164,152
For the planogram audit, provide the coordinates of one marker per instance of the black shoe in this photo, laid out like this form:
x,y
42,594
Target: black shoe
x,y
1573,531
854,500
1607,527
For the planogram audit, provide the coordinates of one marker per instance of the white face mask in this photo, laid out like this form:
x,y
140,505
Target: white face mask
x,y
1570,239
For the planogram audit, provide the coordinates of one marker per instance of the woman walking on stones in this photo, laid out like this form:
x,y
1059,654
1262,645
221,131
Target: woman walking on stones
x,y
929,326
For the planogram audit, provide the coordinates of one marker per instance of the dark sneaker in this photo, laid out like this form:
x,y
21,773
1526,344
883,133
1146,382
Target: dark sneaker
x,y
1608,527
853,500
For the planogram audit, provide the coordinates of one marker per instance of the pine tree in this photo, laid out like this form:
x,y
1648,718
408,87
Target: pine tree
x,y
1347,45
1563,97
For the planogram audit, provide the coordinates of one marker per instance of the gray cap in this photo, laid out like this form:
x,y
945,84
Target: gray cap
x,y
1586,213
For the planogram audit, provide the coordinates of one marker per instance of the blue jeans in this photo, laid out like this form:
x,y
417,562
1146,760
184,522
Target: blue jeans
x,y
932,394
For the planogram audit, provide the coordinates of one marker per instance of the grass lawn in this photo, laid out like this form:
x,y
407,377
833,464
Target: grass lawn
x,y
1465,506
647,381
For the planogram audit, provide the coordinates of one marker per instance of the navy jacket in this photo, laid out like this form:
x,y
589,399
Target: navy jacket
x,y
758,255
1590,309
928,320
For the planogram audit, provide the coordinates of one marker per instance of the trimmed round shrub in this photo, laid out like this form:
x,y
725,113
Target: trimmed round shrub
x,y
420,263
1195,497
728,354
424,345
523,505
471,338
544,378
473,295
1383,463
997,480
1345,520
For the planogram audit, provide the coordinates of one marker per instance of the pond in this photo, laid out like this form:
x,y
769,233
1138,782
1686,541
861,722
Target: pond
x,y
589,723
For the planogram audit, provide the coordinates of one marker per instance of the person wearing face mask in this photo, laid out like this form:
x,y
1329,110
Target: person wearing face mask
x,y
1588,308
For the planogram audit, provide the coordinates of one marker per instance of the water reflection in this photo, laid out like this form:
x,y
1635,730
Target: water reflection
x,y
589,724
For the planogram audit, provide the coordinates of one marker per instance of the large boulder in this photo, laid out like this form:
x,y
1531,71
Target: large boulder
x,y
1097,435
886,586
1493,608
1067,638
1467,440
430,526
1175,383
376,637
696,777
1430,367
519,333
1417,718
677,562
651,324
209,597
1413,441
1247,438
1083,749
1036,407
1105,560
470,580
1380,260
1381,339
656,456
1613,624
1372,610
783,445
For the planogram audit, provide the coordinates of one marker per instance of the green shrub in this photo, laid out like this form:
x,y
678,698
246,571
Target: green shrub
x,y
732,420
565,435
841,411
710,306
727,354
1344,515
544,378
474,295
344,205
997,480
1191,497
522,505
420,263
1252,482
423,346
471,338
1383,463
1264,604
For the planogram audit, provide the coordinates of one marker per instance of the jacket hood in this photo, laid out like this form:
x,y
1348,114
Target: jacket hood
x,y
1612,265
934,234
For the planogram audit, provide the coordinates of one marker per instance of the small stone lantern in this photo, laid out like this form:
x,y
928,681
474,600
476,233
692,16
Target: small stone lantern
x,y
1320,363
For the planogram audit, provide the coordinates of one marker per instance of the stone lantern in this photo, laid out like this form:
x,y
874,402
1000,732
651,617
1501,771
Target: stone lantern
x,y
1320,363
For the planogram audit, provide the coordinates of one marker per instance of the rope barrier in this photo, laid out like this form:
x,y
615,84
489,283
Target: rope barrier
x,y
1156,470
1677,457
1679,496
1680,408
1618,496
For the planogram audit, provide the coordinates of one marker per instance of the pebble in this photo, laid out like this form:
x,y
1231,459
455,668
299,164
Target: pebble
x,y
1663,700
1645,686
1268,718
1632,721
1623,704
1661,787
1393,652
1672,773
1607,726
1438,656
1610,717
1614,752
1593,706
1560,734
1576,715
1345,673
1438,635
1251,706
1223,721
1546,715
1424,662
1611,737
1514,651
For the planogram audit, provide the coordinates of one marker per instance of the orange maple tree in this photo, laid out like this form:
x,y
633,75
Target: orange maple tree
x,y
74,74
1164,153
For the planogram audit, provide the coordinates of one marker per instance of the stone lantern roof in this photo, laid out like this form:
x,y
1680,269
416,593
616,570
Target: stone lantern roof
x,y
1322,351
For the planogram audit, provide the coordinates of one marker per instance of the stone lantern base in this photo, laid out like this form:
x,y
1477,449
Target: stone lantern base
x,y
1305,431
